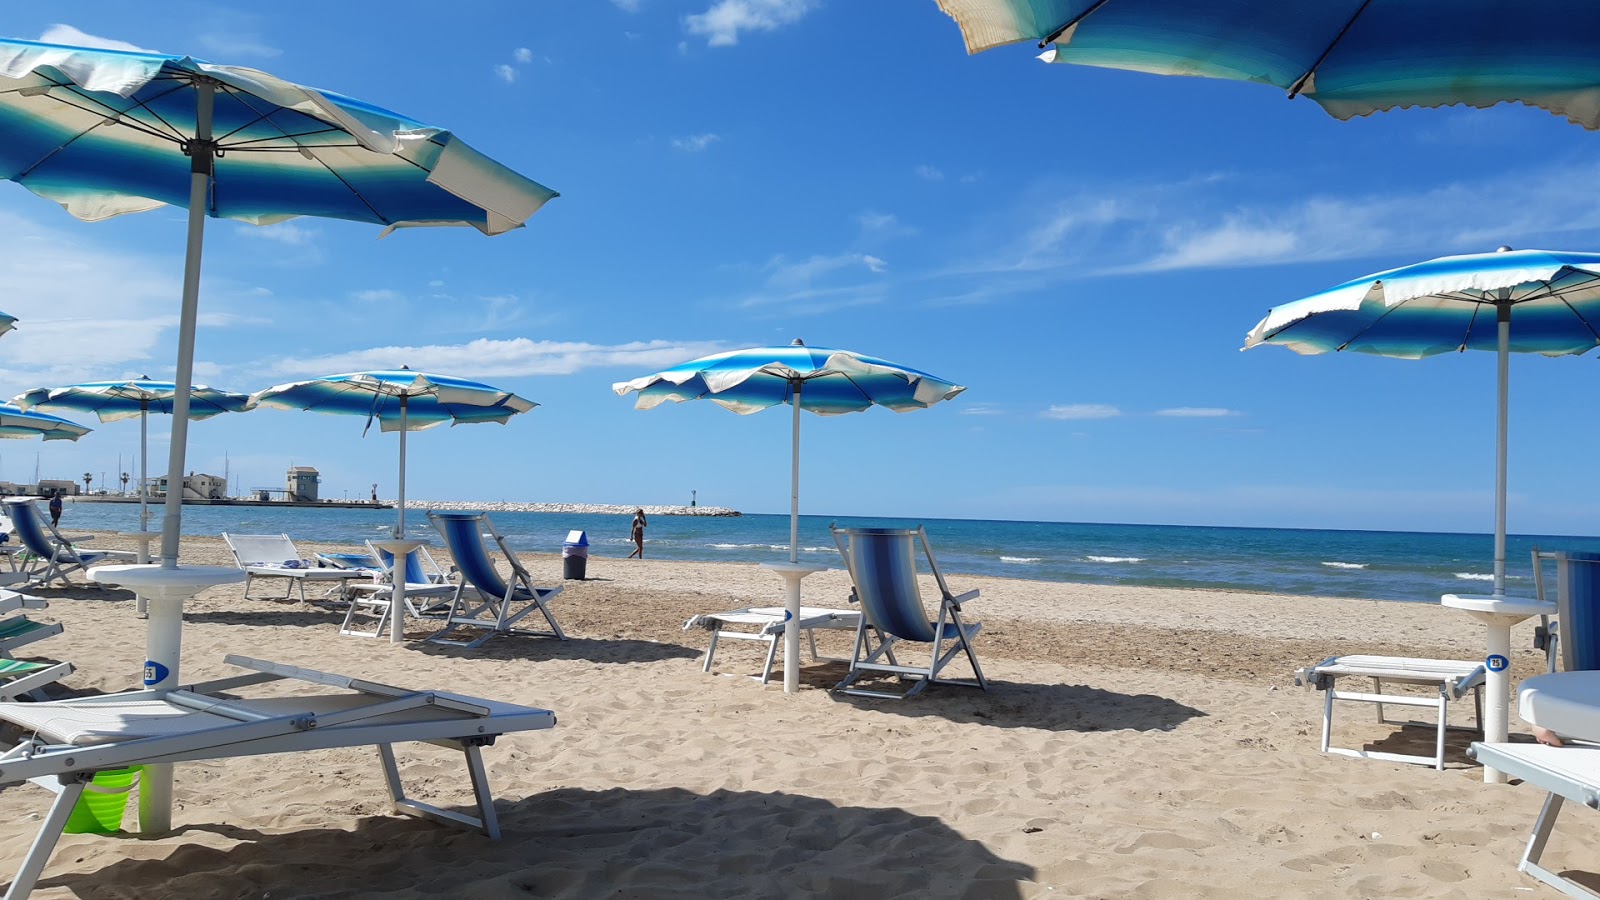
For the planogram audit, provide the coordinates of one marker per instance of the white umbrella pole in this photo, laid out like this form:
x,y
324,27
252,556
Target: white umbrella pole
x,y
1502,426
397,576
791,635
144,455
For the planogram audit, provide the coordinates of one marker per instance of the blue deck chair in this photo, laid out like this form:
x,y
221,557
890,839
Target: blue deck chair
x,y
55,557
883,571
1573,638
484,600
428,591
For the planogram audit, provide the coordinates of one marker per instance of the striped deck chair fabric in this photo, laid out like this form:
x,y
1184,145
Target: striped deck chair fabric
x,y
883,571
484,600
54,557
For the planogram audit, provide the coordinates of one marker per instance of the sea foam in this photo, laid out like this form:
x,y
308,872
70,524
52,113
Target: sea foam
x,y
1021,559
1116,559
1474,576
1345,565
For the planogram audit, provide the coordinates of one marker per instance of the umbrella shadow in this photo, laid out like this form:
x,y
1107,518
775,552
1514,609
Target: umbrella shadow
x,y
296,616
109,593
579,843
511,648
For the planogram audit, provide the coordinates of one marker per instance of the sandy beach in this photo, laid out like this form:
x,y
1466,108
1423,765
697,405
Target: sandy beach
x,y
1136,742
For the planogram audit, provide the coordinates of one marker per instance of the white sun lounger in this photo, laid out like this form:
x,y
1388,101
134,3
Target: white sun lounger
x,y
275,556
767,623
1453,678
1568,773
71,740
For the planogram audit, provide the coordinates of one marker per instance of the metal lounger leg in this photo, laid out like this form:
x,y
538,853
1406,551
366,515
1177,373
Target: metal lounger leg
x,y
1541,835
1377,688
1327,715
44,843
711,652
1444,718
772,656
486,821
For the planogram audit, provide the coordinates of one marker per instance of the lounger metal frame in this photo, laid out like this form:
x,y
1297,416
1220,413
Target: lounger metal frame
x,y
265,568
949,629
52,552
1454,679
491,611
1568,773
72,767
772,625
376,598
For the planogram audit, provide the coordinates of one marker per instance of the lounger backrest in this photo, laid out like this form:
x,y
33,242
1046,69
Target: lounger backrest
x,y
255,549
463,534
1578,610
30,528
883,567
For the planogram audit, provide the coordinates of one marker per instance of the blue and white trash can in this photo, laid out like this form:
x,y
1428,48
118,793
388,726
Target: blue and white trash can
x,y
575,555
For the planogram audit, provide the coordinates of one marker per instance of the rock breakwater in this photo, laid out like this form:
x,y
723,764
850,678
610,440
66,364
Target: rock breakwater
x,y
586,508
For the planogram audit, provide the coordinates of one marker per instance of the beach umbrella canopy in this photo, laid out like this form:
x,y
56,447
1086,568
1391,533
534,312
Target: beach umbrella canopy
x,y
115,400
826,382
20,423
1354,57
7,323
398,400
1525,301
105,132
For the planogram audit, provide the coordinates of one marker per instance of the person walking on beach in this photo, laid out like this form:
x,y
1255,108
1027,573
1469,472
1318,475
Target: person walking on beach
x,y
638,534
55,509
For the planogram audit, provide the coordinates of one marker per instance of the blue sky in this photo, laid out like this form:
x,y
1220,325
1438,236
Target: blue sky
x,y
1084,249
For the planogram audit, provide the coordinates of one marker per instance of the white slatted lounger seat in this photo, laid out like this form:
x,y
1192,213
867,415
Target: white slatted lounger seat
x,y
1453,678
1567,703
275,556
768,625
73,739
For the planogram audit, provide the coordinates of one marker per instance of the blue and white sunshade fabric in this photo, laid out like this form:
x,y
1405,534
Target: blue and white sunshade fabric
x,y
7,323
19,423
285,150
429,400
830,382
1449,304
115,400
1354,57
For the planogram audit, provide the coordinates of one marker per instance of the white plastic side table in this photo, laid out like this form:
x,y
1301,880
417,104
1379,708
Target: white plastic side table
x,y
1498,614
792,574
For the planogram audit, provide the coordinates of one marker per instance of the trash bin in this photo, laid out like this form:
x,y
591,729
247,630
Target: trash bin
x,y
575,555
1578,609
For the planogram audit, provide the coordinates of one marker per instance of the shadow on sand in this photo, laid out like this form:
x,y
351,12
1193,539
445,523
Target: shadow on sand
x,y
577,843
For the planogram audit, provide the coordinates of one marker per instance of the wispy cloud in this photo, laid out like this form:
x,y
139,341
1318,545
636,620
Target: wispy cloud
x,y
377,295
289,233
1198,412
695,143
628,6
881,225
522,55
66,34
516,357
979,409
506,73
819,283
1081,411
722,23
929,173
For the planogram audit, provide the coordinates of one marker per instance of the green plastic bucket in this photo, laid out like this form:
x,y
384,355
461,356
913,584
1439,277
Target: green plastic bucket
x,y
100,809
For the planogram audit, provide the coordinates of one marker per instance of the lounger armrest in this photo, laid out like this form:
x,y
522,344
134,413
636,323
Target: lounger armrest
x,y
959,599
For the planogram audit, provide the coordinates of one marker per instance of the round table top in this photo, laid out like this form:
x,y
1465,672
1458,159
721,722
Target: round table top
x,y
154,579
1487,604
798,568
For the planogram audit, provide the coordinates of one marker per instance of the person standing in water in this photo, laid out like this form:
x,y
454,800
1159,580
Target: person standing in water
x,y
55,509
638,534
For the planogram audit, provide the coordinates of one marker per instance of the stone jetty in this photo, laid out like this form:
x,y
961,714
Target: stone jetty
x,y
597,508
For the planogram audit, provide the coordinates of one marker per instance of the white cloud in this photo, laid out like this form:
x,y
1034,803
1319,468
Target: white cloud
x,y
979,410
929,173
1081,411
289,233
628,6
377,295
506,73
66,34
1198,412
882,225
516,357
874,264
721,23
522,55
695,143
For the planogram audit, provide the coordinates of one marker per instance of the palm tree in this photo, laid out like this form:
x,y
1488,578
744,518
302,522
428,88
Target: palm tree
x,y
124,483
87,477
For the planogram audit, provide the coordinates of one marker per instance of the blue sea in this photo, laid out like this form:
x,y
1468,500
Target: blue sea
x,y
1389,565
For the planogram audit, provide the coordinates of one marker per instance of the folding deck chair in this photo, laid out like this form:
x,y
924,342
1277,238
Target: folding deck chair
x,y
492,598
428,589
19,678
1452,679
70,740
883,570
55,557
275,556
768,626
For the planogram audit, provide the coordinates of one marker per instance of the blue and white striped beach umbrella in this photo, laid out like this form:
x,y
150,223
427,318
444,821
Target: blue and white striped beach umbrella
x,y
1354,57
115,400
7,323
826,382
398,400
1527,301
106,132
20,423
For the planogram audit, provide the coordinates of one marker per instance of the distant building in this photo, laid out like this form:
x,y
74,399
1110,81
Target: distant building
x,y
302,483
197,486
48,486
